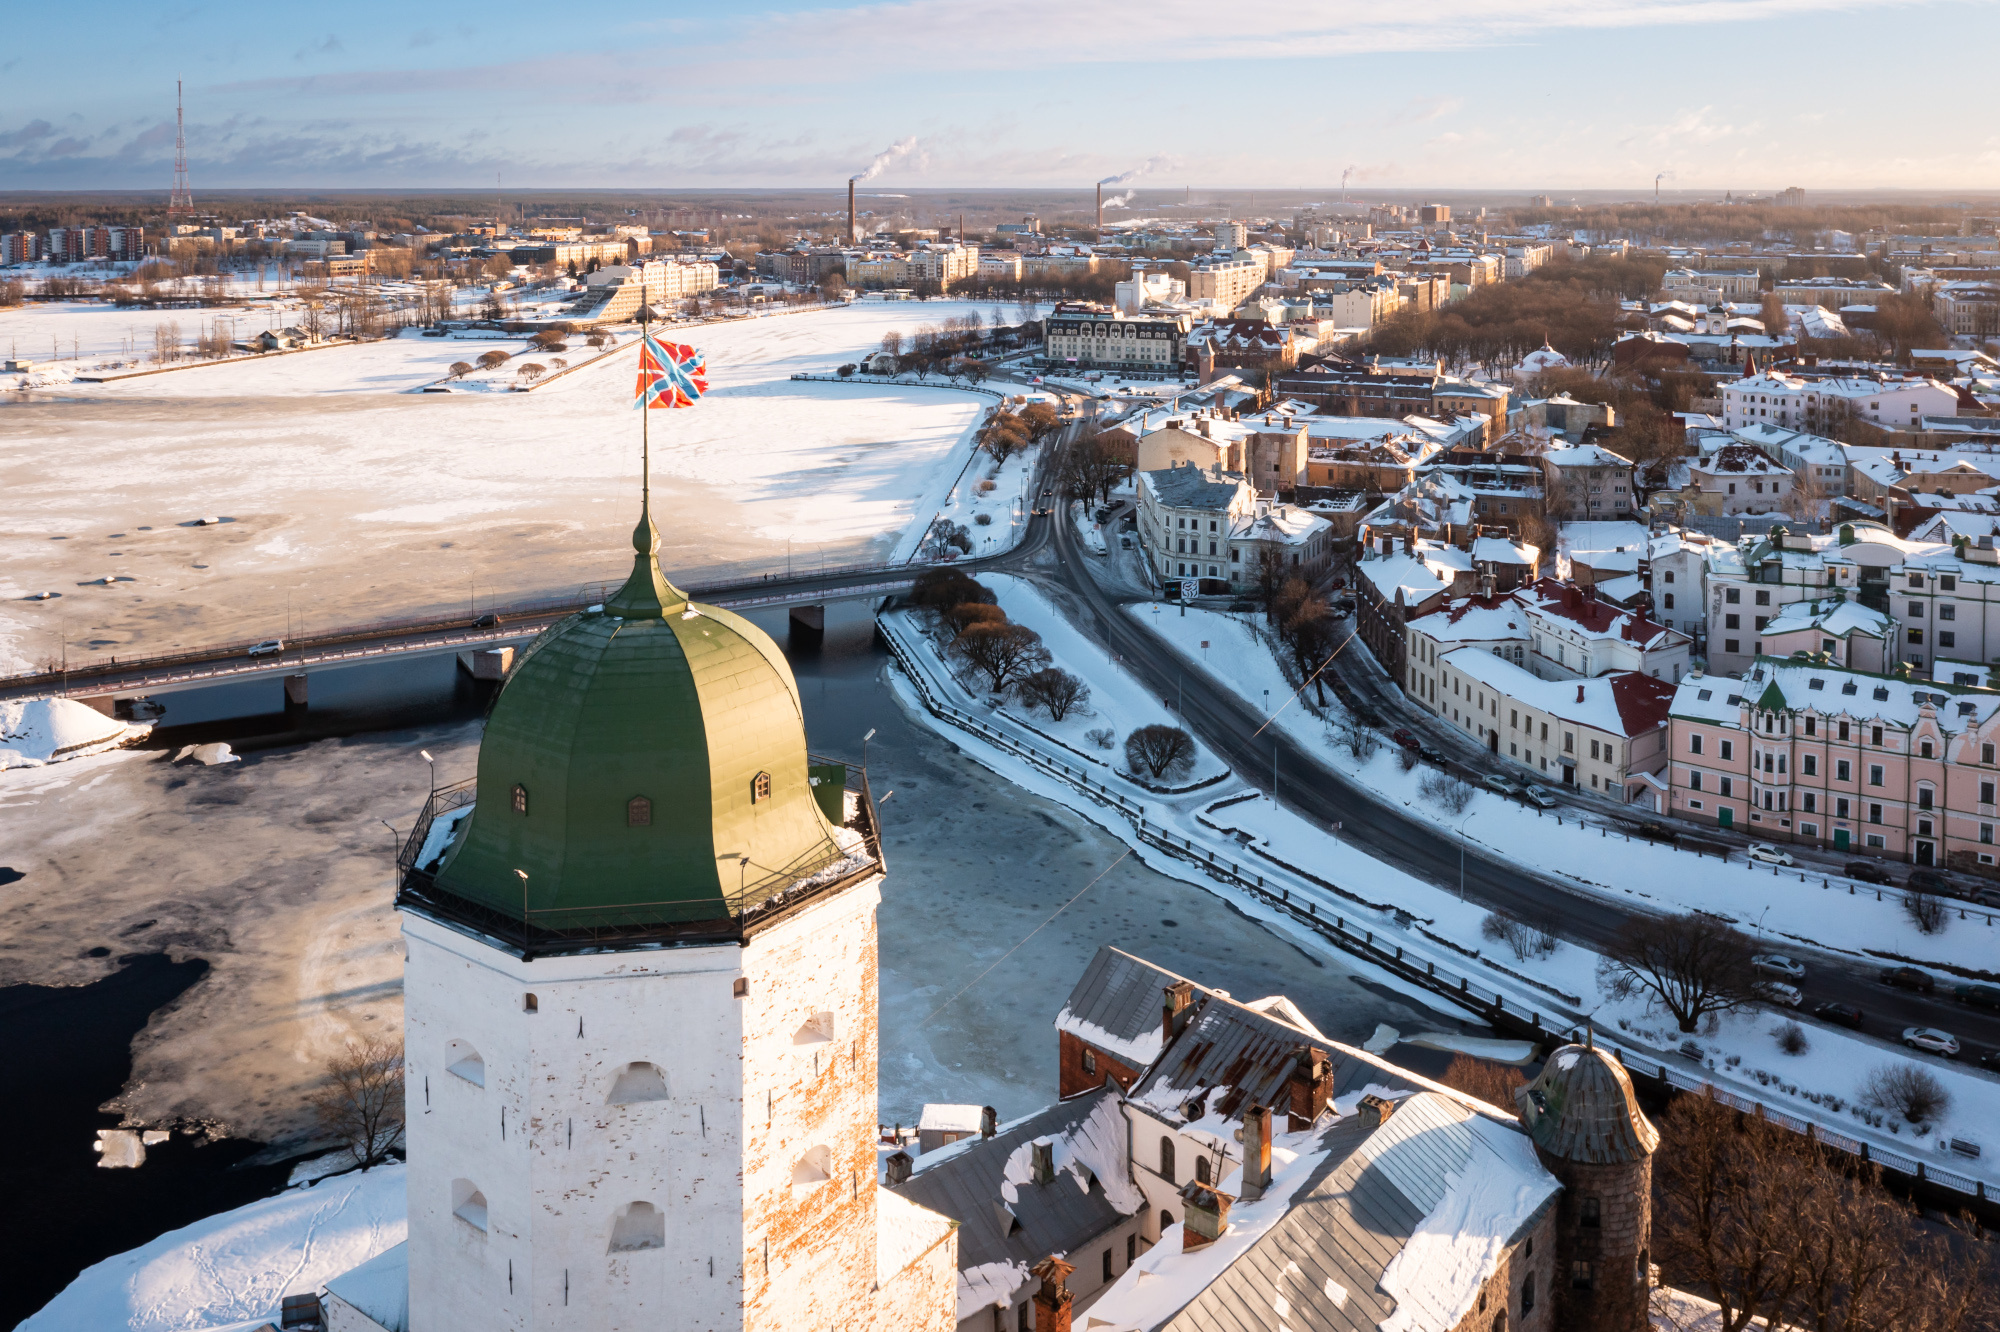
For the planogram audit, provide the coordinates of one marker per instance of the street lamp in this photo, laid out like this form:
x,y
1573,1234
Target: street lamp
x,y
864,748
1461,852
425,755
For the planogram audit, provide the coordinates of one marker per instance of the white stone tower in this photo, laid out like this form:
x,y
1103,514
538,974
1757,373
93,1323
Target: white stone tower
x,y
640,1004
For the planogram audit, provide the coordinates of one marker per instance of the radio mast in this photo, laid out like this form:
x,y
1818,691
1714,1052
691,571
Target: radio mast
x,y
182,201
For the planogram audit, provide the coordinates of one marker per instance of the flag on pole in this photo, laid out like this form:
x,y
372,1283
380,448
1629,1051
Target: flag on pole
x,y
671,374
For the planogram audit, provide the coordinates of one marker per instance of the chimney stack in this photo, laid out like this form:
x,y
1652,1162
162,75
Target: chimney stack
x,y
1256,1152
989,1121
1052,1296
1310,1088
1100,206
1206,1217
850,211
1042,1161
1177,1009
896,1170
1374,1110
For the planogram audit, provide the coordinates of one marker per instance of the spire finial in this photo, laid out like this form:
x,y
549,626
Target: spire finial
x,y
647,594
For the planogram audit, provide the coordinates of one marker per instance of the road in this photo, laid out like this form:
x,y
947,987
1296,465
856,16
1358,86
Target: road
x,y
1325,796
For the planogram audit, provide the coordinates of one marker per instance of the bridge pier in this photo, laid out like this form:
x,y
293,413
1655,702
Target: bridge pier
x,y
490,664
295,692
809,620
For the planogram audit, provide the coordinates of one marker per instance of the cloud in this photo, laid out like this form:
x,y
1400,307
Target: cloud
x,y
29,133
68,146
328,45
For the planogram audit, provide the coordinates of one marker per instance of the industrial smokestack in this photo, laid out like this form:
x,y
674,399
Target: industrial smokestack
x,y
850,211
1100,205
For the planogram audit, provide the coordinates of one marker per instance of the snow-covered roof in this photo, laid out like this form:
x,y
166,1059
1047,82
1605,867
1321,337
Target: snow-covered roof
x,y
1835,619
1585,455
1474,620
1115,1006
1624,703
379,1288
1799,684
1582,537
1588,616
940,1118
1196,488
1405,573
1738,460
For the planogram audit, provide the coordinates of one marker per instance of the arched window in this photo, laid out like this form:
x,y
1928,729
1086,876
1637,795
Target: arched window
x,y
639,1226
1166,1220
530,1004
468,1204
520,798
1167,1159
462,1059
1201,1170
760,788
1593,1213
812,1168
638,812
638,1081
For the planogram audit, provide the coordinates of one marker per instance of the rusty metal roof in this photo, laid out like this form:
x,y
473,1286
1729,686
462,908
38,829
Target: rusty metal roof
x,y
1582,1109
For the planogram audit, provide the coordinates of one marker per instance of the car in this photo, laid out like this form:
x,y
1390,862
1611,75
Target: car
x,y
1769,855
487,621
1990,1060
1501,784
1867,871
1429,755
1981,996
1658,832
1777,992
1927,881
270,647
1540,795
1125,541
1846,1015
1777,964
1931,1039
1404,738
1909,978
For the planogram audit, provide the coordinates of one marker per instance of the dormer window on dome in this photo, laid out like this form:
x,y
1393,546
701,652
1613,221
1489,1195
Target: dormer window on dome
x,y
520,798
638,812
760,788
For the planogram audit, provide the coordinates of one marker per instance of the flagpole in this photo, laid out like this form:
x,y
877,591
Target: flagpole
x,y
645,417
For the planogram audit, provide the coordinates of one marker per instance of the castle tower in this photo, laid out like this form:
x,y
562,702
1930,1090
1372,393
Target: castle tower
x,y
1589,1131
640,1002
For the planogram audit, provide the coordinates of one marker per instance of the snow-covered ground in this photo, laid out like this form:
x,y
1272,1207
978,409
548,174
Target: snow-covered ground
x,y
1006,505
354,499
232,1270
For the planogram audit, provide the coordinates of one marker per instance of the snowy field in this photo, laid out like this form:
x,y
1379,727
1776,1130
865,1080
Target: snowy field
x,y
232,1270
354,499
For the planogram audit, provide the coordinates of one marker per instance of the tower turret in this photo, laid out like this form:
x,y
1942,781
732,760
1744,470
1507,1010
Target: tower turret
x,y
1589,1131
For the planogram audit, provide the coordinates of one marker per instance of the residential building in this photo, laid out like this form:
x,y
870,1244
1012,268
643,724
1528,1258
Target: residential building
x,y
1806,751
999,266
1365,304
1819,464
945,265
1224,282
1737,478
1143,289
1562,416
1393,584
76,245
1526,258
1104,337
1835,629
1210,525
1587,481
1202,440
614,293
1708,286
20,247
1671,571
1796,403
1834,293
1970,309
1748,583
1598,734
1241,344
1946,608
1574,633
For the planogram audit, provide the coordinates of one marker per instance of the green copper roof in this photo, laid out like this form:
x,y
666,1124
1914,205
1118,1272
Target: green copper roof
x,y
654,699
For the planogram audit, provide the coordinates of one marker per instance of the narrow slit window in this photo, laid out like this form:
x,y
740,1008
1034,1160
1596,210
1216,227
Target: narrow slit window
x,y
638,812
520,798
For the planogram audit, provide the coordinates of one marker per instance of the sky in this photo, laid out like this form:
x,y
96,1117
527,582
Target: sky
x,y
1533,94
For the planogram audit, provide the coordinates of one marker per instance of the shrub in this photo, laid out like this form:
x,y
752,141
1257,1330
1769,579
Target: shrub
x,y
987,486
1103,737
983,519
1359,740
1449,793
1914,1093
1925,911
1526,940
1054,690
1791,1038
1407,756
460,369
496,357
1160,751
957,619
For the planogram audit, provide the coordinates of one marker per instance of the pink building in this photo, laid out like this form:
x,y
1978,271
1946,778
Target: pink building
x,y
1807,751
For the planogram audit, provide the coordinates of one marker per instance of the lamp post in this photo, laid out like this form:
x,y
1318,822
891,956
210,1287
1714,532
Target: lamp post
x,y
425,755
522,875
1461,852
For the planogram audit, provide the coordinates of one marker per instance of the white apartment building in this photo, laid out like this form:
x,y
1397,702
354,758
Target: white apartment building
x,y
1142,289
1946,604
1817,462
1832,292
1210,525
1225,281
1710,285
946,265
1776,398
1739,478
1525,259
1103,336
1365,304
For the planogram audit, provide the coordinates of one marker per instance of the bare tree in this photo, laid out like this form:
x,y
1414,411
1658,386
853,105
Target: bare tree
x,y
490,360
1537,939
1162,751
1004,652
1912,1092
1357,737
1691,965
531,370
361,1101
955,620
892,343
1448,792
1055,690
1925,911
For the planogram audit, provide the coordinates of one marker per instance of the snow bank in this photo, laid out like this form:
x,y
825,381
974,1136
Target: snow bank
x,y
1094,1149
36,731
237,1266
988,1284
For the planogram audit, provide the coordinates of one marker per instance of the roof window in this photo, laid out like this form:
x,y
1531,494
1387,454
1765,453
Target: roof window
x,y
1815,684
1848,687
1881,693
1966,709
1736,698
1706,695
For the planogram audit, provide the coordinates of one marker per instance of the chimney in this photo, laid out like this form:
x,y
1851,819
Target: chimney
x,y
1177,1009
989,1121
850,211
1100,205
1052,1296
1206,1217
1310,1088
1579,691
1042,1161
896,1170
1256,1152
1374,1110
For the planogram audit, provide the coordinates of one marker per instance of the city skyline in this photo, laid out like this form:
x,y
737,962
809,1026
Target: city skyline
x,y
1549,95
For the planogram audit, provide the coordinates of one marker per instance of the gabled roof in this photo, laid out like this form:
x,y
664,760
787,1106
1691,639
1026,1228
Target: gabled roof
x,y
1116,1006
1574,606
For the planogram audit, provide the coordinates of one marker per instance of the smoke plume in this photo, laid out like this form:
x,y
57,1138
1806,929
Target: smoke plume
x,y
1150,165
883,159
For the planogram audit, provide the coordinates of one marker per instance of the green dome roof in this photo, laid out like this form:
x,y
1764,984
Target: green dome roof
x,y
645,763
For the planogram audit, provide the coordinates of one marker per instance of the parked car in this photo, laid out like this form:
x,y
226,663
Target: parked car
x,y
1846,1015
1931,1039
487,621
1540,795
1990,1060
1658,832
1777,964
1404,738
1777,992
1980,996
1769,855
1927,881
1909,978
270,647
1867,871
1501,784
1429,755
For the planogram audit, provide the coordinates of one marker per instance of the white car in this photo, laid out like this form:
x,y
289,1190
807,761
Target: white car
x,y
268,648
1777,992
1930,1038
1540,796
1777,964
1501,784
1769,854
